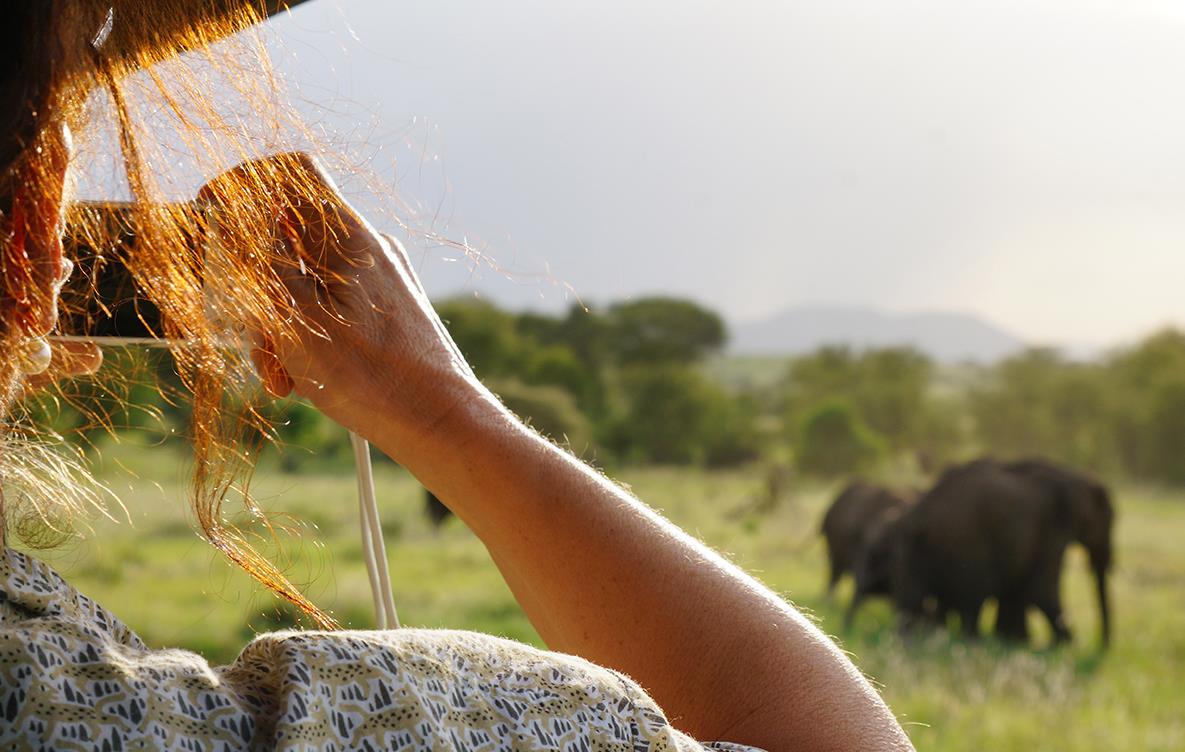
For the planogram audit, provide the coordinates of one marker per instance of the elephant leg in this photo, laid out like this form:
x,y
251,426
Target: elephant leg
x,y
911,610
936,612
910,624
1046,596
836,573
1011,623
1052,608
969,616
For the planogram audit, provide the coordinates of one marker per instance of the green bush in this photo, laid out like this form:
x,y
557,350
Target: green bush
x,y
674,415
887,387
1038,403
549,410
306,438
833,441
732,436
485,334
1166,431
941,434
558,365
1147,419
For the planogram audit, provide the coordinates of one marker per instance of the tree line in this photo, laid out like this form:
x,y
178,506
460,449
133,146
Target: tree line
x,y
1120,414
629,383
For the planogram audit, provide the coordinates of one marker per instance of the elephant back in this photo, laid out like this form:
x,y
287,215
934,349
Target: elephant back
x,y
856,510
978,529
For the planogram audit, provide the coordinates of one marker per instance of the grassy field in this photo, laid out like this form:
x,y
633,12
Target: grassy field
x,y
169,586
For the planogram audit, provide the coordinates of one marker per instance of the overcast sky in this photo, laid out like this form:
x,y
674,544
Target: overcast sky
x,y
1024,161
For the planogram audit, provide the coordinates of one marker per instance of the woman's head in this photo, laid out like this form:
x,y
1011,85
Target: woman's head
x,y
115,97
35,151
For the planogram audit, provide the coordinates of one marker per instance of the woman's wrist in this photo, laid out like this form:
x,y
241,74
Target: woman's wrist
x,y
430,427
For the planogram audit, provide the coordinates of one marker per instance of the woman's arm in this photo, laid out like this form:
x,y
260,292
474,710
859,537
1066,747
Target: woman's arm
x,y
599,574
603,576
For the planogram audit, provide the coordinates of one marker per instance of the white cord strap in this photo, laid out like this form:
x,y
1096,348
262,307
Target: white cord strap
x,y
374,548
373,545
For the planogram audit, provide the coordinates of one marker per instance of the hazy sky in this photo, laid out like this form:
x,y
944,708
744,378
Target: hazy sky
x,y
1020,160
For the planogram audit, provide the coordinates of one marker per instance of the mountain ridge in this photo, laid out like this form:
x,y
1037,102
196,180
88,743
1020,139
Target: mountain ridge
x,y
947,336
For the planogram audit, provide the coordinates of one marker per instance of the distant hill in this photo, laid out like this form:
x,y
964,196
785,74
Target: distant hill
x,y
946,337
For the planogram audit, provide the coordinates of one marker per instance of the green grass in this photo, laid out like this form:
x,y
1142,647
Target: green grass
x,y
172,589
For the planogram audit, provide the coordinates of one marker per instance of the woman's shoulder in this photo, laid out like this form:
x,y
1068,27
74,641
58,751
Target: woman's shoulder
x,y
31,589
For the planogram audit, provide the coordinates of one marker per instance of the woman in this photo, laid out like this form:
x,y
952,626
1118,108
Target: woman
x,y
336,315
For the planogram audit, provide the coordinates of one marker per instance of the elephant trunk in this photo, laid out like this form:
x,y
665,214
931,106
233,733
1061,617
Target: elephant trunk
x,y
1100,573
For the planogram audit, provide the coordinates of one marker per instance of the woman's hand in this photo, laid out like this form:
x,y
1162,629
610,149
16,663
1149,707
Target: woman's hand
x,y
365,346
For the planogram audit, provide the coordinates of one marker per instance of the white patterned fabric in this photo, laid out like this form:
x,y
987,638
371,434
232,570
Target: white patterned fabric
x,y
72,677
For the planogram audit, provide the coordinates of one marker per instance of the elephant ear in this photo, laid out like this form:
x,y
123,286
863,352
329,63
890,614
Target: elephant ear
x,y
1063,499
1067,495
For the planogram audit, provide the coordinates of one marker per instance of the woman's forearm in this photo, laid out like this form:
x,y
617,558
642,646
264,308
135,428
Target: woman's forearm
x,y
602,576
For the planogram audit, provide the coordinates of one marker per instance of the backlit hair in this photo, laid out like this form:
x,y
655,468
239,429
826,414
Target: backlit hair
x,y
168,98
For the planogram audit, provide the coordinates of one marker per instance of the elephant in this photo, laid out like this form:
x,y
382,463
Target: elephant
x,y
435,509
849,522
991,529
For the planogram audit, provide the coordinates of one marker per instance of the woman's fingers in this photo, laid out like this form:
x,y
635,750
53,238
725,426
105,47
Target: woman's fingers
x,y
70,360
353,330
276,379
325,245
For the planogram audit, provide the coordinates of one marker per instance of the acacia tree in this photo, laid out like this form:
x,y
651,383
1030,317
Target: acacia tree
x,y
663,330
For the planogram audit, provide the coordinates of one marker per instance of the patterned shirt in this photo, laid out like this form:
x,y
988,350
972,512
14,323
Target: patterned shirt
x,y
73,677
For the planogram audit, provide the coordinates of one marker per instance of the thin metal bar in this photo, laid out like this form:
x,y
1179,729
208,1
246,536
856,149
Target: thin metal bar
x,y
121,341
